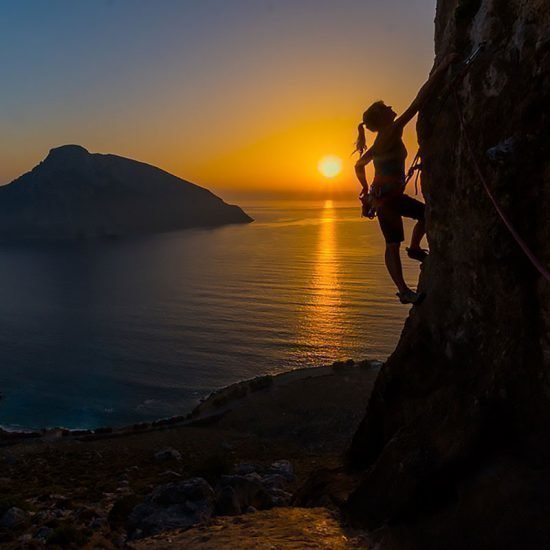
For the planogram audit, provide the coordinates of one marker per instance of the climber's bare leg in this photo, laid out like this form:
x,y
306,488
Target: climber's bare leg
x,y
393,264
418,233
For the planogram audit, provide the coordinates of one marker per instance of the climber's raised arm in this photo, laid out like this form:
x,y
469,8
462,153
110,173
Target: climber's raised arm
x,y
426,90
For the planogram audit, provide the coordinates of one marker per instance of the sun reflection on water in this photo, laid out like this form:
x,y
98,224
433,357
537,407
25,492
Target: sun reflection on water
x,y
322,324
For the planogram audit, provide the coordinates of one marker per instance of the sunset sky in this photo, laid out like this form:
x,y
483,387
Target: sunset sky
x,y
240,96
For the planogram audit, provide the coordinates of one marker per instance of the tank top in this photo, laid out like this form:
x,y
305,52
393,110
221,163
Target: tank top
x,y
389,170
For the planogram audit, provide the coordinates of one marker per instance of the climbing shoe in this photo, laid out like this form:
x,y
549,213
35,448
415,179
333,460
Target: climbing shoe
x,y
409,296
417,254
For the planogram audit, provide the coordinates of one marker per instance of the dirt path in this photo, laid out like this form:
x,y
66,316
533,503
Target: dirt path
x,y
279,529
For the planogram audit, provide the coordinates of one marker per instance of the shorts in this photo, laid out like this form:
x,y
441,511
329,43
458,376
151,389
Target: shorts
x,y
390,214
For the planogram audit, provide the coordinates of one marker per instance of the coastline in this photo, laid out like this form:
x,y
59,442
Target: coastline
x,y
82,488
209,408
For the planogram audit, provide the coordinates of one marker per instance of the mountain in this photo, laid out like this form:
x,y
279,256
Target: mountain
x,y
76,194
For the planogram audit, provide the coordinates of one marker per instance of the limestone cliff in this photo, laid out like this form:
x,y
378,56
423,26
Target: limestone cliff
x,y
75,194
454,447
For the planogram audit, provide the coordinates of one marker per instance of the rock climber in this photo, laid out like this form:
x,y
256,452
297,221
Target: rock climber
x,y
386,195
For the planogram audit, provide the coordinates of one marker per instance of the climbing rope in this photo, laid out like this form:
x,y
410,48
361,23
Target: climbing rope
x,y
522,244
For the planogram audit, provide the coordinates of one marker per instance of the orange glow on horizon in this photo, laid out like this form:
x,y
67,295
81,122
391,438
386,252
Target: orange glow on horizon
x,y
248,102
288,161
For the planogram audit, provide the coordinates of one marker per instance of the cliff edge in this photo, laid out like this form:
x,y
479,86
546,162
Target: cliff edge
x,y
454,445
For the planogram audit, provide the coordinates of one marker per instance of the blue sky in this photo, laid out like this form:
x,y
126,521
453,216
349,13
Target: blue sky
x,y
149,79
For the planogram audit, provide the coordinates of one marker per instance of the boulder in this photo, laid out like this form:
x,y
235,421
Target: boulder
x,y
13,518
274,481
227,502
283,468
43,534
245,468
172,506
280,497
167,454
236,493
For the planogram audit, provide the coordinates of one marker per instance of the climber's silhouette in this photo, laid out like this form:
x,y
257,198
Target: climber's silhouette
x,y
386,194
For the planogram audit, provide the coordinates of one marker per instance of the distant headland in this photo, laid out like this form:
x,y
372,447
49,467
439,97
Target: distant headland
x,y
75,194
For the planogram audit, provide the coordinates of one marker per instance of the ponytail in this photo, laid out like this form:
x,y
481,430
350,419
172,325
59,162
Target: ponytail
x,y
361,143
370,122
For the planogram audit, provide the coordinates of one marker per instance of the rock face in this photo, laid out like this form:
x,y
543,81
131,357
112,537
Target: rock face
x,y
76,194
454,446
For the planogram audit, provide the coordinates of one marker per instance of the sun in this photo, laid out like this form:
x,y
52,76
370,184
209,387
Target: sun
x,y
330,166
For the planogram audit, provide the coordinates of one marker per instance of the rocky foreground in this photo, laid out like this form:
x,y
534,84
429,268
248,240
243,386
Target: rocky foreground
x,y
226,476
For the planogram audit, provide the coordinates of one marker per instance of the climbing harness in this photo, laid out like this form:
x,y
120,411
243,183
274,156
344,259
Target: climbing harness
x,y
522,244
368,208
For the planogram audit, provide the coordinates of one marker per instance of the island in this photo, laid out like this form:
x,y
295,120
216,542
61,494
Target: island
x,y
74,194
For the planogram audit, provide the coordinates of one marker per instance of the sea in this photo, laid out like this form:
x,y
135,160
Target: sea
x,y
114,332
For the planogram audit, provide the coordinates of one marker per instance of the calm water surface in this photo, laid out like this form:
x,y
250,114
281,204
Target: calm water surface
x,y
110,333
